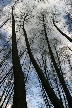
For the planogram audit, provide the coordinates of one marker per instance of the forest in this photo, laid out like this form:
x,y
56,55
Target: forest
x,y
36,54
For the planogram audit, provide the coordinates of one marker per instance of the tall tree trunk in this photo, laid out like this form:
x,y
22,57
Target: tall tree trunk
x,y
19,99
69,98
56,102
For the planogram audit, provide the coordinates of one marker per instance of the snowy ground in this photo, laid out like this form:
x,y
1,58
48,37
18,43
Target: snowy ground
x,y
34,96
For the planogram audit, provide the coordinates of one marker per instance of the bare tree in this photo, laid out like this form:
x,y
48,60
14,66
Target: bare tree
x,y
19,99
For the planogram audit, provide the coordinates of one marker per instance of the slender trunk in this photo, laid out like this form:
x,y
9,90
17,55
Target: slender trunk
x,y
69,98
55,101
19,99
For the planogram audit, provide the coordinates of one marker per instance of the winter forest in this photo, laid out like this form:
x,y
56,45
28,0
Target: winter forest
x,y
35,53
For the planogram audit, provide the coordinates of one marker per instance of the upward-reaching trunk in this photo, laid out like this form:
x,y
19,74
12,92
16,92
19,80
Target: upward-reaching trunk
x,y
56,102
19,99
69,98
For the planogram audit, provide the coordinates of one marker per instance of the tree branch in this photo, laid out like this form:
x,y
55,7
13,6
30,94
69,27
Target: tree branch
x,y
62,32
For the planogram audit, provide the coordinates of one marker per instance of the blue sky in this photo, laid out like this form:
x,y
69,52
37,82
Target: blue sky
x,y
4,2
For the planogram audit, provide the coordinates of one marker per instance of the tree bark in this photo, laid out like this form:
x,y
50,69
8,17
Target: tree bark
x,y
19,99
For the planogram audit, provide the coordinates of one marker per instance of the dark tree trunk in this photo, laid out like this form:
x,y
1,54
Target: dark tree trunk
x,y
69,98
56,102
19,99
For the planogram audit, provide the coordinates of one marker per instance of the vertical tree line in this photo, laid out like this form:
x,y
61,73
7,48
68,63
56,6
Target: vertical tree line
x,y
59,72
19,99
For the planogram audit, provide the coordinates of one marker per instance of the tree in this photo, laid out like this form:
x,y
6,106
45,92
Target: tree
x,y
44,81
69,98
19,99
